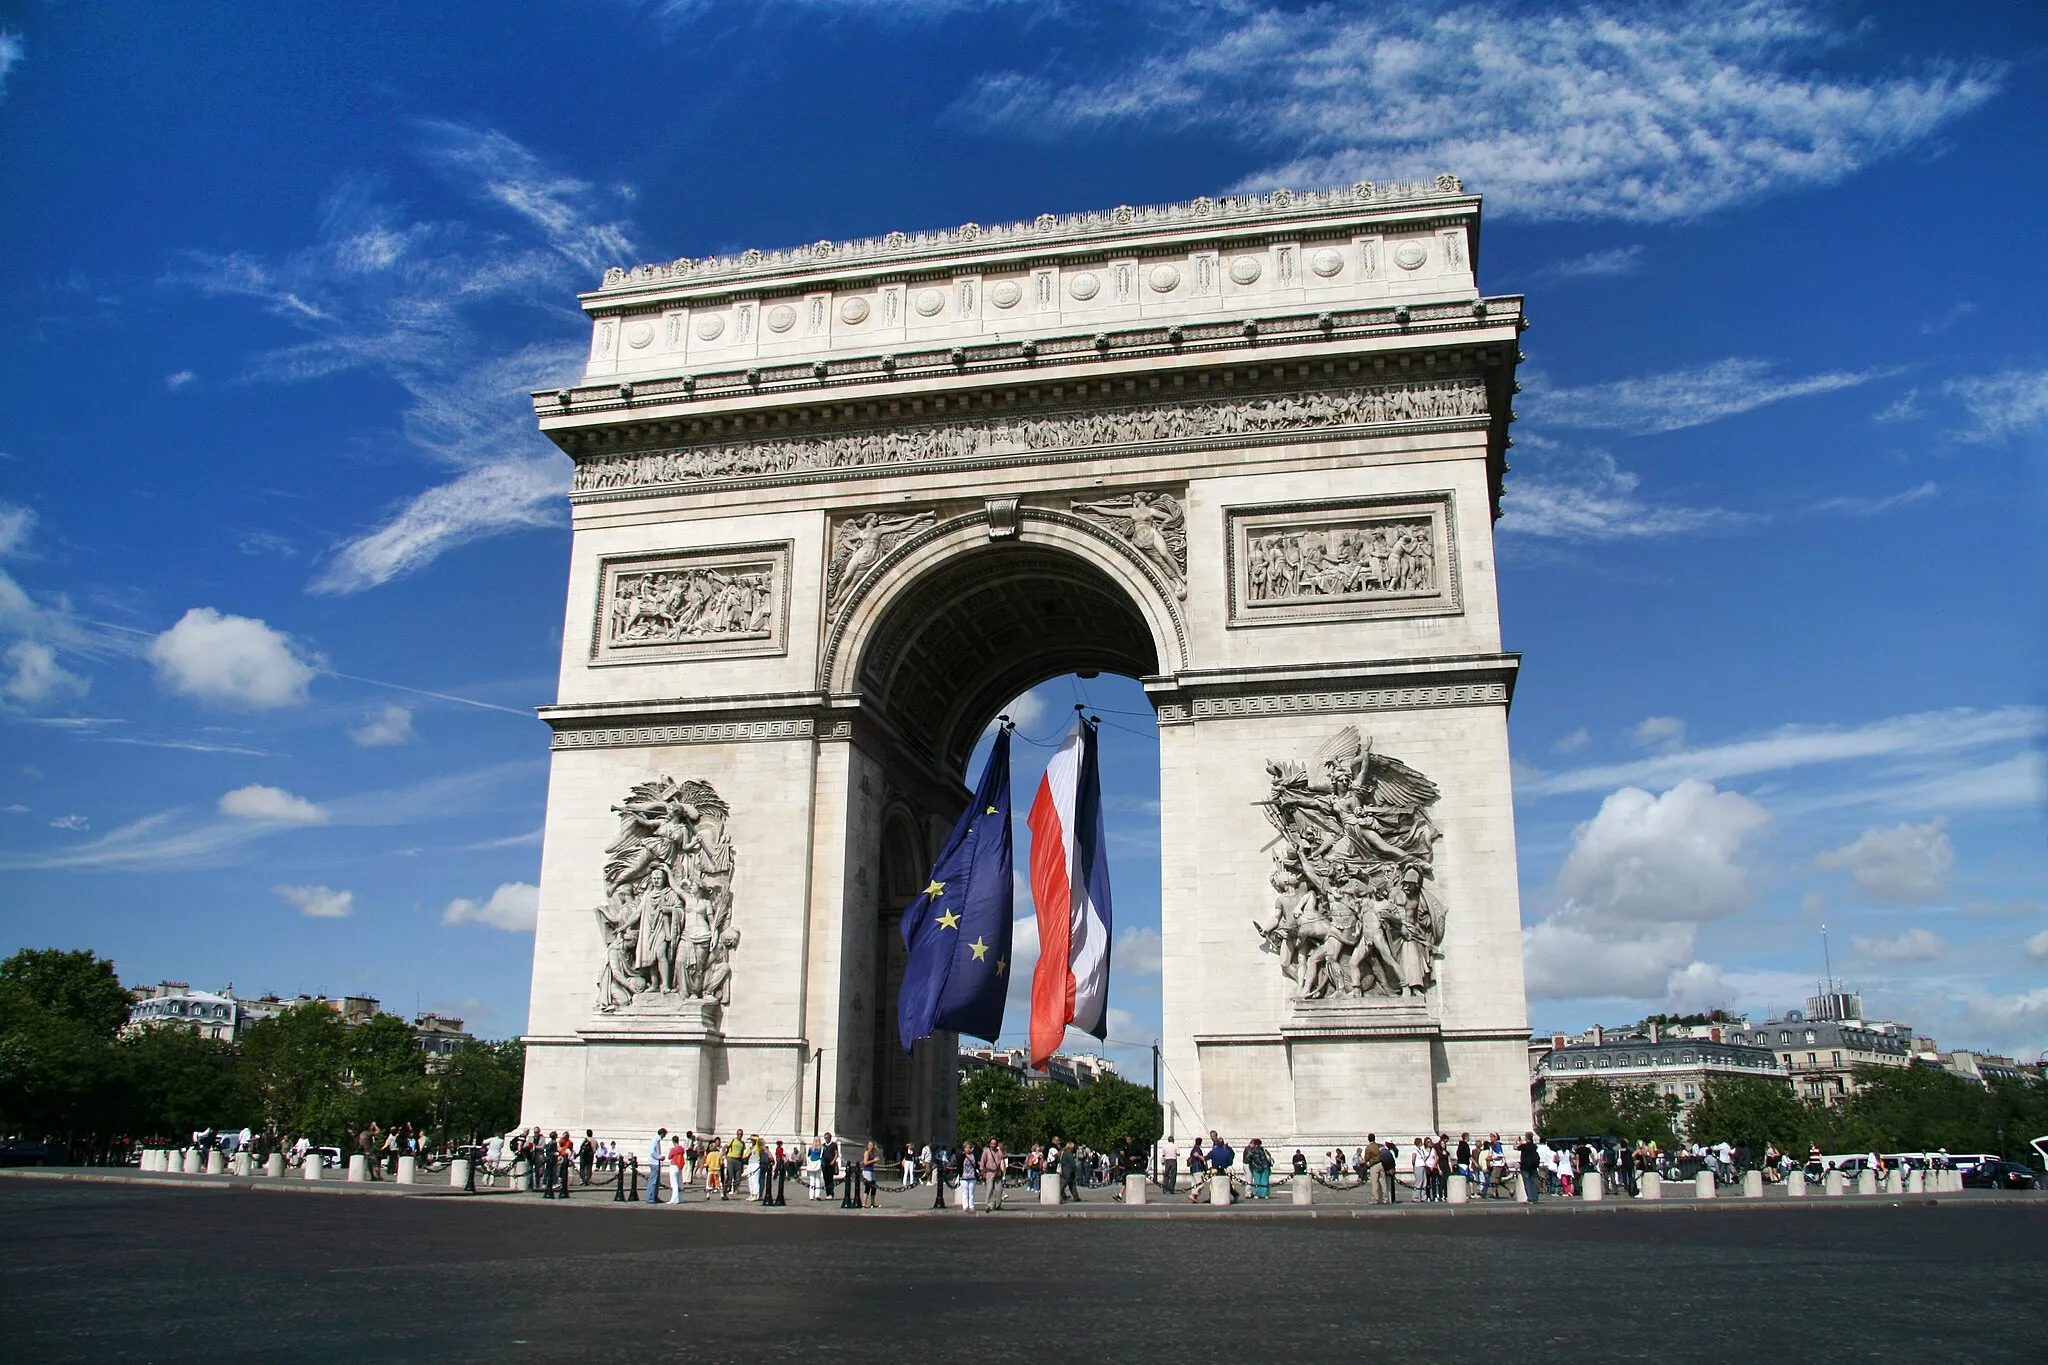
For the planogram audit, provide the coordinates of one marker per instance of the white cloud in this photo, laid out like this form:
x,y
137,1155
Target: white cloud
x,y
231,660
2037,946
17,523
1658,732
1909,865
1923,736
1914,945
37,676
1677,399
11,53
1696,988
384,727
1904,409
513,907
423,305
1639,879
179,380
72,822
1644,114
16,809
1620,260
273,805
1575,741
2017,1023
2002,406
1137,952
1871,507
319,902
1560,493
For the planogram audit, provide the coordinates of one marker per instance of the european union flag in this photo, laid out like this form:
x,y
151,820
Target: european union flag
x,y
958,929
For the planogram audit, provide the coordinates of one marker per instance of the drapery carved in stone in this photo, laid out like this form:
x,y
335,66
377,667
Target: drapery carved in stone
x,y
989,438
1353,915
675,606
1363,559
667,914
859,543
1153,525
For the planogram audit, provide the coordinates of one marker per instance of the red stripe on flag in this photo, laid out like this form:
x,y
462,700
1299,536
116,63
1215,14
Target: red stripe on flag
x,y
1052,981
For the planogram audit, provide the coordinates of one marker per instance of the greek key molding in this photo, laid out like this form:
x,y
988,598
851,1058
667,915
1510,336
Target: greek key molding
x,y
1319,703
1070,434
718,732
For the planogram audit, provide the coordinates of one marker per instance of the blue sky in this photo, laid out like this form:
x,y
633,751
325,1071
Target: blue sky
x,y
284,557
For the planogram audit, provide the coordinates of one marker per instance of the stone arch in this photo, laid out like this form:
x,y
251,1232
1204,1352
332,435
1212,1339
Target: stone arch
x,y
952,625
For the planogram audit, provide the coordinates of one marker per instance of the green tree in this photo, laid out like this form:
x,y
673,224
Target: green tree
x,y
77,986
1113,1109
1914,1109
1751,1111
1591,1108
294,1066
386,1076
60,1077
176,1082
477,1093
995,1103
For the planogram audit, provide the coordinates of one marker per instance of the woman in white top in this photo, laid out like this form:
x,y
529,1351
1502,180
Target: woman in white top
x,y
1415,1169
814,1169
970,1175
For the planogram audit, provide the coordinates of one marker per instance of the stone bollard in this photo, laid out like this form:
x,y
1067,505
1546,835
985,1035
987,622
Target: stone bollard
x,y
1866,1181
1795,1185
1703,1185
151,1162
1049,1188
458,1173
1134,1189
1752,1184
1302,1188
1914,1182
1651,1185
188,1161
1894,1181
315,1163
358,1169
1835,1184
1219,1188
409,1170
1590,1187
243,1165
273,1165
216,1162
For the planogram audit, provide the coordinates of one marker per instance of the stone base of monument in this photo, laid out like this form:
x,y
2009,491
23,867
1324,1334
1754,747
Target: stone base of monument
x,y
1589,1186
1134,1189
1650,1186
1752,1184
315,1163
1049,1188
1795,1185
1219,1188
1703,1185
1458,1190
458,1173
1302,1189
409,1170
273,1165
1835,1184
358,1168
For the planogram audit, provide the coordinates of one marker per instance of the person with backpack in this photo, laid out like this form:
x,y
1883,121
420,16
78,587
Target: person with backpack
x,y
1259,1162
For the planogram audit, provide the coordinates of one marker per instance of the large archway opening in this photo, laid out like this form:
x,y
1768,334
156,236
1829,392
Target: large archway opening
x,y
1032,631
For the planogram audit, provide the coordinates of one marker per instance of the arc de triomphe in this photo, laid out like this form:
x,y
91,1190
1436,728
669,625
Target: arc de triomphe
x,y
835,506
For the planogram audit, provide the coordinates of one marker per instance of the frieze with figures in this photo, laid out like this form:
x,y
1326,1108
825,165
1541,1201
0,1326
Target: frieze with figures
x,y
1068,431
667,915
1385,556
691,603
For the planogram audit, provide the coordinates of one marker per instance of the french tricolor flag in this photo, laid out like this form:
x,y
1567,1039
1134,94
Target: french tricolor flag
x,y
1070,884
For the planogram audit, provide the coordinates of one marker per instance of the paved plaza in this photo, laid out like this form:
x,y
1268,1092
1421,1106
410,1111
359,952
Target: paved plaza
x,y
115,1271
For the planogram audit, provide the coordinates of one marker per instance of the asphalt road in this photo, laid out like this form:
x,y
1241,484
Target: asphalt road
x,y
108,1272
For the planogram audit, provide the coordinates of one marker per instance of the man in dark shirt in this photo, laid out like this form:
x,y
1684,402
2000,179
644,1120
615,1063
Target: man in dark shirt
x,y
1532,1163
1070,1167
1220,1157
586,1155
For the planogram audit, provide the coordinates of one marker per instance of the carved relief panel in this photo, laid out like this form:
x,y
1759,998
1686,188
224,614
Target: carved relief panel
x,y
728,602
1343,560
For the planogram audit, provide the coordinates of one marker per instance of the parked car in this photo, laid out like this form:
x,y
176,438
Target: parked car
x,y
2001,1175
26,1152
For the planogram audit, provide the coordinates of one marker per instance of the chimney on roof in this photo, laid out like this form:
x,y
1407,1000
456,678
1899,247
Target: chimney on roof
x,y
1599,1035
1656,1032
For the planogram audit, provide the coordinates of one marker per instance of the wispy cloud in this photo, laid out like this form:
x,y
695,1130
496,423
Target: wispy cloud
x,y
1871,507
1560,492
1644,114
179,380
1678,399
423,303
2002,406
1926,735
12,51
1620,260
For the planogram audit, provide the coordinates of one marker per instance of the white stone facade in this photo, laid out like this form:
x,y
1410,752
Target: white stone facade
x,y
835,507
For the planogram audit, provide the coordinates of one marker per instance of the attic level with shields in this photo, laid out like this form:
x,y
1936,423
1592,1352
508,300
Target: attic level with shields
x,y
835,507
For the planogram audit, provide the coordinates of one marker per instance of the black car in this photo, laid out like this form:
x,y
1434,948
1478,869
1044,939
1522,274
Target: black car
x,y
2001,1175
23,1152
